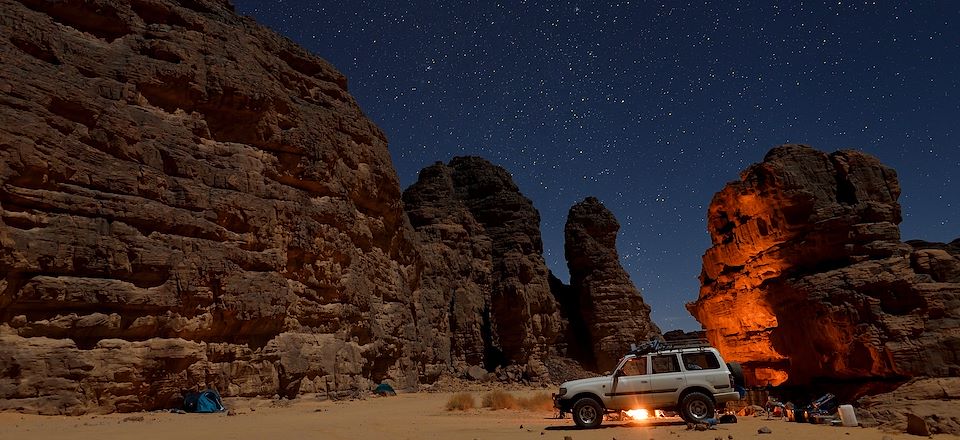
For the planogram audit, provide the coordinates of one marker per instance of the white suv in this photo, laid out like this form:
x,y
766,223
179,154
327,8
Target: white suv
x,y
690,380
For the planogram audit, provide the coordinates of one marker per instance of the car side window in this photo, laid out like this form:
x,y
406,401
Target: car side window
x,y
634,367
665,364
700,361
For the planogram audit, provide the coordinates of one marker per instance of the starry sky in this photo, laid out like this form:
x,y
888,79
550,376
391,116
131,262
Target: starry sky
x,y
650,106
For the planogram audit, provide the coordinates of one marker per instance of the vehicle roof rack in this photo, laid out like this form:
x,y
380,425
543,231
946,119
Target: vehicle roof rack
x,y
656,345
646,347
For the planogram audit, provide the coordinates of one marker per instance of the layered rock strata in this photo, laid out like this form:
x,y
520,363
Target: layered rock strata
x,y
807,277
188,199
604,301
921,407
483,267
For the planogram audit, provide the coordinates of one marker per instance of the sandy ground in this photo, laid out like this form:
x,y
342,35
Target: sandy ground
x,y
406,416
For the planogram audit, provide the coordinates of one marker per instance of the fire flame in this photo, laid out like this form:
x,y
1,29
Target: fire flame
x,y
642,414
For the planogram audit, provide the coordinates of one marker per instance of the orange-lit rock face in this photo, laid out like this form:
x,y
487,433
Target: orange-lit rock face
x,y
807,276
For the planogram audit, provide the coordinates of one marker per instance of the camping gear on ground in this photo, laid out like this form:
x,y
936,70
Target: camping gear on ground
x,y
384,390
819,411
826,404
206,401
847,416
775,408
820,419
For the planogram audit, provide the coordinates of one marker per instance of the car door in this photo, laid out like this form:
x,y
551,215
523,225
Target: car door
x,y
631,385
666,380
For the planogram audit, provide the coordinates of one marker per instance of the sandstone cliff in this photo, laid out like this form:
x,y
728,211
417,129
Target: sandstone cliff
x,y
484,268
188,199
605,302
807,277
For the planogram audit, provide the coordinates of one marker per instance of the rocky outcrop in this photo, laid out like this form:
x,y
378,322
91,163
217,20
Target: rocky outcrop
x,y
604,301
807,277
919,407
483,268
188,199
455,282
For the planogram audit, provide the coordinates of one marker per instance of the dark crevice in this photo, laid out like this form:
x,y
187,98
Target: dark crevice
x,y
797,214
897,299
101,19
316,189
311,67
846,192
196,5
152,12
727,269
107,141
579,345
74,111
146,277
762,227
157,51
15,282
233,222
19,217
170,92
41,52
86,72
493,357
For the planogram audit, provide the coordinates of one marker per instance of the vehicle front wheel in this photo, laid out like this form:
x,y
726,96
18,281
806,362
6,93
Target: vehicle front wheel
x,y
587,413
696,408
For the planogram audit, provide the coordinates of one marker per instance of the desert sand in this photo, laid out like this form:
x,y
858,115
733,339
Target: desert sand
x,y
405,416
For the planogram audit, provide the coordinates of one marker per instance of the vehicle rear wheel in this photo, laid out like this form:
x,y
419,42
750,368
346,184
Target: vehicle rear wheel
x,y
696,408
587,413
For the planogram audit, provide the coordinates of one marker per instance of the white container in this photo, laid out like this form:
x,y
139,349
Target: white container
x,y
847,416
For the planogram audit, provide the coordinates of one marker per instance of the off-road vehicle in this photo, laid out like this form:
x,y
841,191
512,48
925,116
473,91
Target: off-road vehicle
x,y
691,379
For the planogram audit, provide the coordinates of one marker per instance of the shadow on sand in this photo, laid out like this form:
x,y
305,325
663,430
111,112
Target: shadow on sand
x,y
609,425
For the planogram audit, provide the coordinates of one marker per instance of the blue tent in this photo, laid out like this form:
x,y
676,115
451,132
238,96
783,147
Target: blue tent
x,y
384,390
206,401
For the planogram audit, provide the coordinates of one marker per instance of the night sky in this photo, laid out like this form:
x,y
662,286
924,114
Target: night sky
x,y
650,106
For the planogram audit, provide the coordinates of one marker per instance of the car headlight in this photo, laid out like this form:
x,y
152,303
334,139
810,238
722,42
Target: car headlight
x,y
562,392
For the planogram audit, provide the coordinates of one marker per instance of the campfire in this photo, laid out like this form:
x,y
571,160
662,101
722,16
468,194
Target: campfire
x,y
642,414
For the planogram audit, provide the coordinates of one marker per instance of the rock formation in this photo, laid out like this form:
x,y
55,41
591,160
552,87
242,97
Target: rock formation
x,y
919,407
188,199
807,277
604,301
484,267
